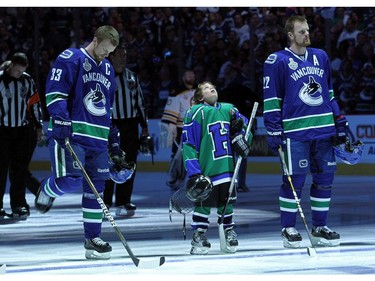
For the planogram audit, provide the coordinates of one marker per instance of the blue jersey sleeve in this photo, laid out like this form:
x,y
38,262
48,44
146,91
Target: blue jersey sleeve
x,y
273,92
60,82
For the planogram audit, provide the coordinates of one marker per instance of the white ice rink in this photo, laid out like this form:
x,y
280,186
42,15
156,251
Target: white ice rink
x,y
52,244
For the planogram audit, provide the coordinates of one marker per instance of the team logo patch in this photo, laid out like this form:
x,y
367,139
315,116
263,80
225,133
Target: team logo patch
x,y
86,65
95,102
292,64
310,93
303,163
271,59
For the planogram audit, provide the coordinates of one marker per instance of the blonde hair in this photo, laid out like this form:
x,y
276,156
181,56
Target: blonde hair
x,y
107,32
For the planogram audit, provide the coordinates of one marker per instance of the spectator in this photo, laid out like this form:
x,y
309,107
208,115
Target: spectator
x,y
172,123
366,96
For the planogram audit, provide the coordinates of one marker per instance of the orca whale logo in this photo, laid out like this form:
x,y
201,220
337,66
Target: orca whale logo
x,y
310,93
95,102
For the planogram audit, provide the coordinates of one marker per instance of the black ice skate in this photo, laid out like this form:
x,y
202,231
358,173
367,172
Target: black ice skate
x,y
20,213
127,210
199,243
43,202
323,236
4,215
231,239
97,249
291,237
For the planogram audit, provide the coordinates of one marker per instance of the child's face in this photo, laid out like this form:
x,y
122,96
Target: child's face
x,y
210,95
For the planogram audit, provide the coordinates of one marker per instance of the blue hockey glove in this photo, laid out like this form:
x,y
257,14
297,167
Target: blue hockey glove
x,y
114,142
61,129
274,140
342,129
240,146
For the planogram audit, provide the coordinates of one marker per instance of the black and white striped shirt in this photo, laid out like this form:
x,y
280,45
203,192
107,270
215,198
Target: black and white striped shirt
x,y
129,101
19,101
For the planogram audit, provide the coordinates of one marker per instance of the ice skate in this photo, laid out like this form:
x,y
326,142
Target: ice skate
x,y
43,202
231,239
199,243
4,215
127,210
291,237
97,249
323,236
20,213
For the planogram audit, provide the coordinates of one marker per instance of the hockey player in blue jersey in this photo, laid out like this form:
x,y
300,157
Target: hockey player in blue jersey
x,y
79,94
302,117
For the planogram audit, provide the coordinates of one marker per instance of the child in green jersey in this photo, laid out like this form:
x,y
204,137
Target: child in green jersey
x,y
212,132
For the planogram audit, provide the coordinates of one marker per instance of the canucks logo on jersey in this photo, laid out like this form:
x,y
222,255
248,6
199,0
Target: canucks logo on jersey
x,y
95,102
310,93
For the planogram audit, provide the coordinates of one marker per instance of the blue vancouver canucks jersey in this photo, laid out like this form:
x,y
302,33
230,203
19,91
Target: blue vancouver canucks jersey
x,y
80,89
298,95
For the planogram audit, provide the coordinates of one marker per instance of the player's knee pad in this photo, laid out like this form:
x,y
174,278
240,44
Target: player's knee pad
x,y
325,179
297,180
321,186
286,191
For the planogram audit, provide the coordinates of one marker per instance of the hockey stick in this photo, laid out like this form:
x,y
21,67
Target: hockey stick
x,y
310,250
138,263
236,169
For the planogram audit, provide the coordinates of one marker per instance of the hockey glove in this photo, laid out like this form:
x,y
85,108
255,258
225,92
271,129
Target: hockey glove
x,y
274,140
61,129
114,142
342,129
236,125
240,146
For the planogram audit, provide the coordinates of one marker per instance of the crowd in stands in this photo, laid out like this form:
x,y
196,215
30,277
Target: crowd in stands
x,y
224,45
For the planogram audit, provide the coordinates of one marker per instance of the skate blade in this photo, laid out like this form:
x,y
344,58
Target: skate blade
x,y
199,251
230,250
94,255
18,217
321,242
292,245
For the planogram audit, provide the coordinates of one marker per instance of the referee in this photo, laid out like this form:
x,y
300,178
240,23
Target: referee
x,y
19,105
129,113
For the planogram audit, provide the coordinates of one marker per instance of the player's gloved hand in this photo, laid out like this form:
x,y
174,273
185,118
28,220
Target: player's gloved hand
x,y
236,125
274,140
240,146
61,129
114,142
342,129
120,161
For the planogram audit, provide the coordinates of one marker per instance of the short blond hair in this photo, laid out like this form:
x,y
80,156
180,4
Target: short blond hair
x,y
107,32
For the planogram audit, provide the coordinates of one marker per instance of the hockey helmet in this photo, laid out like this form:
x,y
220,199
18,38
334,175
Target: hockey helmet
x,y
349,153
119,170
198,188
146,145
